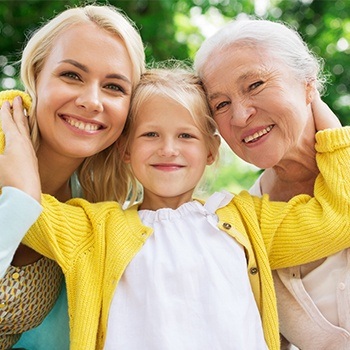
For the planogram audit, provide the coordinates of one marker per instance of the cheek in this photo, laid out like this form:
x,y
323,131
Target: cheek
x,y
118,112
223,125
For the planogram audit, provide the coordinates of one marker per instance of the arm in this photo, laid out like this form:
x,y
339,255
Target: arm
x,y
18,211
326,216
307,228
67,227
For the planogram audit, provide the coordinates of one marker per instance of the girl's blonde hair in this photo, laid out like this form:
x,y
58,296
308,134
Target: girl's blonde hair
x,y
180,84
98,174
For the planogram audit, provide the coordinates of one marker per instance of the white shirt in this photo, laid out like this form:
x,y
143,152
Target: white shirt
x,y
187,288
314,302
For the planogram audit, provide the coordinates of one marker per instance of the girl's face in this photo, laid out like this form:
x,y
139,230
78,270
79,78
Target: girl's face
x,y
83,93
262,110
167,153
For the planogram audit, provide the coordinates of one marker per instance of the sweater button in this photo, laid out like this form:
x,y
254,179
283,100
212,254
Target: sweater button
x,y
226,225
254,270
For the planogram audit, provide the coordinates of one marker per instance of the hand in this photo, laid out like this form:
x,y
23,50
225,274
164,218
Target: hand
x,y
323,116
18,164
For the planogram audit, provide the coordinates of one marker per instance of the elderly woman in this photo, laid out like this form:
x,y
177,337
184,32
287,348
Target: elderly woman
x,y
261,80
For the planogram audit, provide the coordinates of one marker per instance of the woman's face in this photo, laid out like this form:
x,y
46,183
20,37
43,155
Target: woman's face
x,y
262,110
83,92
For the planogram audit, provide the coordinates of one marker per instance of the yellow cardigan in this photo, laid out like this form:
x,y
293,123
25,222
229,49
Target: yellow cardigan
x,y
94,243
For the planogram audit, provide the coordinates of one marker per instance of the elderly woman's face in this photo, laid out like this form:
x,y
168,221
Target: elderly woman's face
x,y
261,108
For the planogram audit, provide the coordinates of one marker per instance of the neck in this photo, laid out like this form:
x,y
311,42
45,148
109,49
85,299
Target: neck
x,y
155,202
284,182
297,171
55,173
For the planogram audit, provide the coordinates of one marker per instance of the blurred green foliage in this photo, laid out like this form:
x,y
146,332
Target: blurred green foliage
x,y
176,28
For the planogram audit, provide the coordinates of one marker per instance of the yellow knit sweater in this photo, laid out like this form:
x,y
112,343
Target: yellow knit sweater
x,y
9,95
94,243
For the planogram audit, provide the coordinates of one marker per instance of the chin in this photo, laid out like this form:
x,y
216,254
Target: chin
x,y
263,162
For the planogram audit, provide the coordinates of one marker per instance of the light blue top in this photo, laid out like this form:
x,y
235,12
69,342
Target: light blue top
x,y
53,333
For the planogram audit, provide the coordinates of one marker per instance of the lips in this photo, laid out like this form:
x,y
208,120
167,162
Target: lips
x,y
81,125
257,135
167,166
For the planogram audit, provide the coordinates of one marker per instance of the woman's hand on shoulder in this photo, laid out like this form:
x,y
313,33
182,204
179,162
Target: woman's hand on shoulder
x,y
18,163
323,116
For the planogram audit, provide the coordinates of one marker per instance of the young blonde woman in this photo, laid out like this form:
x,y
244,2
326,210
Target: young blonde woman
x,y
79,71
172,272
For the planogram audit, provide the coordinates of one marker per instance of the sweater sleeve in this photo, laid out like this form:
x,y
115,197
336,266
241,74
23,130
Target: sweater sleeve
x,y
309,228
18,212
66,230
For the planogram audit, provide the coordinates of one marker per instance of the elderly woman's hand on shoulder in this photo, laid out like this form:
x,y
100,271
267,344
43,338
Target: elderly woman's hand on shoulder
x,y
323,116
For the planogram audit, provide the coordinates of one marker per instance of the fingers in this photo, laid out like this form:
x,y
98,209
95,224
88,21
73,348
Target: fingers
x,y
18,163
19,116
14,119
323,115
6,117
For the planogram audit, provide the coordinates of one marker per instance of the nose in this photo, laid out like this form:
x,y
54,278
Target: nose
x,y
90,99
242,111
168,148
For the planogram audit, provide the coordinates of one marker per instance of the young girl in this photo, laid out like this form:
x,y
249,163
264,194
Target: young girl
x,y
172,272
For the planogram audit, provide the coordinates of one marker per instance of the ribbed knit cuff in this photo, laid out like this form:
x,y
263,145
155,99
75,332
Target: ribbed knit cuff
x,y
330,140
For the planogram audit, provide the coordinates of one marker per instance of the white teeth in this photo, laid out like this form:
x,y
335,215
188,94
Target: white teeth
x,y
82,126
258,134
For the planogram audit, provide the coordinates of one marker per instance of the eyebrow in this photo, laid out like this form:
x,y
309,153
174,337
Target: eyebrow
x,y
86,70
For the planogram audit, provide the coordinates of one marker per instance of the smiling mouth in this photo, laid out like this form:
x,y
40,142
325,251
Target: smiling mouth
x,y
167,166
80,125
256,136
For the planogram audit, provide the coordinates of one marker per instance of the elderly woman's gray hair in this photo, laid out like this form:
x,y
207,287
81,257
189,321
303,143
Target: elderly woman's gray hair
x,y
282,41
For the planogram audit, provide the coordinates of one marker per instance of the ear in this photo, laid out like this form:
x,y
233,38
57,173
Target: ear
x,y
214,152
310,90
126,157
123,149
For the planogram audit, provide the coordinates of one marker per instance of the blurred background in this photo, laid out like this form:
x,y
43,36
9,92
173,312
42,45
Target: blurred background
x,y
176,28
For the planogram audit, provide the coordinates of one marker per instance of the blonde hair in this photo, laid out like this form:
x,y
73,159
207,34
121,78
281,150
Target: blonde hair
x,y
180,84
97,175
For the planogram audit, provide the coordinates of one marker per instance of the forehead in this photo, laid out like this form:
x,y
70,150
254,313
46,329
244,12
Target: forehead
x,y
84,33
86,42
160,108
237,63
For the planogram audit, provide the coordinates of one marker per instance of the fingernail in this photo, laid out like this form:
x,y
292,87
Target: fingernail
x,y
6,104
18,99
